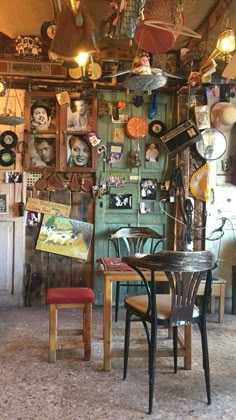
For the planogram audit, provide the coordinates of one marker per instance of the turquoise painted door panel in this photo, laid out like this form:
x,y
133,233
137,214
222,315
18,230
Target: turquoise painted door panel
x,y
109,218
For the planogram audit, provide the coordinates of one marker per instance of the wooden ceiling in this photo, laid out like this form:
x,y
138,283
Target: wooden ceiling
x,y
26,18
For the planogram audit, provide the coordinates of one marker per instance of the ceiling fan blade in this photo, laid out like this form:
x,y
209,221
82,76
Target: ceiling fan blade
x,y
116,74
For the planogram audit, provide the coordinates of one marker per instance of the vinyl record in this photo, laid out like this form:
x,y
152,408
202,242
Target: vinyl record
x,y
7,157
8,139
156,128
48,30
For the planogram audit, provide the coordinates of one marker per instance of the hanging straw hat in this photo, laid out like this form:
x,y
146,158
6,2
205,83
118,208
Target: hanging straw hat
x,y
223,116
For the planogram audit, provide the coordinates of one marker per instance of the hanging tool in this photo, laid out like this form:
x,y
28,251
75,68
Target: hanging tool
x,y
152,109
22,148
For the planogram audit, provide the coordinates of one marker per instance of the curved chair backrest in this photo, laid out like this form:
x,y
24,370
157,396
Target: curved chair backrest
x,y
132,240
184,270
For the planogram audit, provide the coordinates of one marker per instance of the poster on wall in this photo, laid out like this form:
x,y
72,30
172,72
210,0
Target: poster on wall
x,y
68,237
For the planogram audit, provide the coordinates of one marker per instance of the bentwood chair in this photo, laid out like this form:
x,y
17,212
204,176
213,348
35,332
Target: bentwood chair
x,y
131,241
184,271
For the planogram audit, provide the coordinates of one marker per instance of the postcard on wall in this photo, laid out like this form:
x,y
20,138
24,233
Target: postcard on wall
x,y
114,153
123,118
120,201
43,206
68,237
146,207
148,189
118,135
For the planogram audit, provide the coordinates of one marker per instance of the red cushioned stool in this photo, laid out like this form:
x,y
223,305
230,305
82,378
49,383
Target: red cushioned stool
x,y
69,298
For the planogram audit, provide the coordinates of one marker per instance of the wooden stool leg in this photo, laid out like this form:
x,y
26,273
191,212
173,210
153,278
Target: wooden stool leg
x,y
52,332
87,321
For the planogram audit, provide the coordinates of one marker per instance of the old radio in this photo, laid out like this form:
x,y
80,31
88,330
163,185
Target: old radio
x,y
180,137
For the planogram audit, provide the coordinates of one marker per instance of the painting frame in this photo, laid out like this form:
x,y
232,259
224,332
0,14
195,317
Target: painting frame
x,y
65,236
120,201
41,107
148,189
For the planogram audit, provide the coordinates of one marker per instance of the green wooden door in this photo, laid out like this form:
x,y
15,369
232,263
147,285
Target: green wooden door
x,y
109,218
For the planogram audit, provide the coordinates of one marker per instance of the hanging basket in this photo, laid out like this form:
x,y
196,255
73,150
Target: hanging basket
x,y
129,18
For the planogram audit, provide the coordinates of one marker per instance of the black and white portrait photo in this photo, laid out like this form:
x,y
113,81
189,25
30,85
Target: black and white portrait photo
x,y
148,189
120,201
42,115
79,115
42,151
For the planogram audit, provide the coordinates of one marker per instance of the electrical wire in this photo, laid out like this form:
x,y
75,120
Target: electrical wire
x,y
168,214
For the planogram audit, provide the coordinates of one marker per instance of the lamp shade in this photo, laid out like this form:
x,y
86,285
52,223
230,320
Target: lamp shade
x,y
70,38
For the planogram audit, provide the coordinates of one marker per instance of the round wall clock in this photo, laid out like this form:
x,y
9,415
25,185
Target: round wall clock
x,y
136,127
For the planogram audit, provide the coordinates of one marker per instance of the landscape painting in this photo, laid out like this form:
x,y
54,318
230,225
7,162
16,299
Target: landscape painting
x,y
63,236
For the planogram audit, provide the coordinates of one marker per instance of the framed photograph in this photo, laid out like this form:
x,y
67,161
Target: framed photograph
x,y
120,201
79,115
42,131
42,112
63,236
42,151
151,152
148,189
3,203
77,153
146,207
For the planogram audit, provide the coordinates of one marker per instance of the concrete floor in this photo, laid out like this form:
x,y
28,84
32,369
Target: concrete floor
x,y
71,389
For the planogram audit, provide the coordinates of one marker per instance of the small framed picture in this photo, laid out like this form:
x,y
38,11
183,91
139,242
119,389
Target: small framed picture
x,y
148,189
120,201
79,155
3,203
79,115
42,112
152,152
146,207
42,151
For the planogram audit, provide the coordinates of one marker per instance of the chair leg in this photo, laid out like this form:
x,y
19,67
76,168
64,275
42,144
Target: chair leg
x,y
52,332
205,357
126,344
87,321
175,347
117,300
152,364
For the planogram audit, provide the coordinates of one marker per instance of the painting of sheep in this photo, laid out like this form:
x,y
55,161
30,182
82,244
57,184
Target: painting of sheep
x,y
68,237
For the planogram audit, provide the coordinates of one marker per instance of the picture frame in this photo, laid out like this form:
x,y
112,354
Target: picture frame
x,y
3,203
42,112
42,151
120,201
77,153
148,189
64,236
42,131
151,152
72,136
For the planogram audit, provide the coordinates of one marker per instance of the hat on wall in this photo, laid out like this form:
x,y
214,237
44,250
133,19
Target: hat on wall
x,y
223,116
